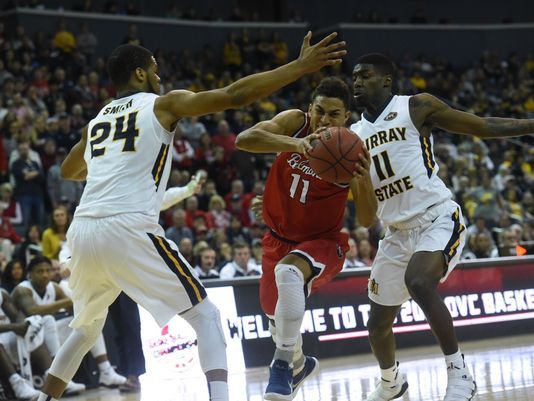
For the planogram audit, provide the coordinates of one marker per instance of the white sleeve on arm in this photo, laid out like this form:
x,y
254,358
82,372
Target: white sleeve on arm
x,y
175,194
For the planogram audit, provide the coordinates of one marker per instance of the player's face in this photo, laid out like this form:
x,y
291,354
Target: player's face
x,y
367,84
153,80
327,112
40,274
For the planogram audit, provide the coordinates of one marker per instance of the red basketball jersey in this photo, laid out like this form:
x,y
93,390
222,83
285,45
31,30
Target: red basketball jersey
x,y
297,204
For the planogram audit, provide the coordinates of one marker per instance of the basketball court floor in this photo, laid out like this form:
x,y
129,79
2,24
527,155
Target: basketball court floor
x,y
503,369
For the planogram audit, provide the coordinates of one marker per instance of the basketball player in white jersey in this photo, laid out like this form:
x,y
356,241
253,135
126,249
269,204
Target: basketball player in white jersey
x,y
116,241
425,229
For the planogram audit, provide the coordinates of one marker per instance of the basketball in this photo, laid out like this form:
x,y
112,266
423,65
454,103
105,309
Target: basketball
x,y
334,154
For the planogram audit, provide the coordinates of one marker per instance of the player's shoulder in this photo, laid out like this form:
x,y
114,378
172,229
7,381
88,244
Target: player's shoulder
x,y
291,119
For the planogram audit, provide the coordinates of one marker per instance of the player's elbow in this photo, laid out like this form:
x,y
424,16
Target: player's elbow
x,y
245,140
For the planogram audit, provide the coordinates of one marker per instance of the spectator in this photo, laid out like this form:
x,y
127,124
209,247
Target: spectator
x,y
29,181
64,40
13,274
186,249
132,37
179,230
242,264
204,154
8,237
366,252
193,130
182,152
206,267
257,252
62,191
87,42
225,138
56,235
192,211
351,258
219,217
31,246
12,208
225,255
236,232
232,53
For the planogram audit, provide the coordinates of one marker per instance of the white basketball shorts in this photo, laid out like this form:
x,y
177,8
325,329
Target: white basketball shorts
x,y
439,228
128,252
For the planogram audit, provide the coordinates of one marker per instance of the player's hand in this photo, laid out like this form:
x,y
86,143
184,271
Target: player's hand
x,y
20,329
321,54
199,179
305,144
256,205
363,165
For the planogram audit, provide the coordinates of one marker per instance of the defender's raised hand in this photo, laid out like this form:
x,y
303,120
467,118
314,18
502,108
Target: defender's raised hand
x,y
322,53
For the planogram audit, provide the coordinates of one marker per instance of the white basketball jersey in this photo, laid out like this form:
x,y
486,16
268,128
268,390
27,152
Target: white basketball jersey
x,y
4,319
403,169
128,159
48,297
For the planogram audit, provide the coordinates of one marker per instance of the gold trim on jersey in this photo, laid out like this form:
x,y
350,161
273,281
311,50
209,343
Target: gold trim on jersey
x,y
454,241
194,289
428,158
159,165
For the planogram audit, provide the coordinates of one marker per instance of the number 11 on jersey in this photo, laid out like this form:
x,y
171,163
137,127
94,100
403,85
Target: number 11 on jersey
x,y
295,185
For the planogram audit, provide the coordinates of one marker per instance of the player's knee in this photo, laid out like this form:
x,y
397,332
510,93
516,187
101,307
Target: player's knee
x,y
206,320
418,286
90,333
291,298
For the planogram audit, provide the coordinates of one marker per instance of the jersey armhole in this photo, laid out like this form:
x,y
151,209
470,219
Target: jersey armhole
x,y
167,138
410,118
304,125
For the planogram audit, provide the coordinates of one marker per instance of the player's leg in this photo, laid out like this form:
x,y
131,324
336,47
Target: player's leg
x,y
159,279
69,358
291,274
387,293
108,376
437,254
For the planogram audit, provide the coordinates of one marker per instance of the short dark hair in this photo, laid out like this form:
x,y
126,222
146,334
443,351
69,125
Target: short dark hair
x,y
124,60
333,87
37,261
381,63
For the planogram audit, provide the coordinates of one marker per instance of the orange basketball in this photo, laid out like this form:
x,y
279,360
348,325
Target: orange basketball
x,y
335,153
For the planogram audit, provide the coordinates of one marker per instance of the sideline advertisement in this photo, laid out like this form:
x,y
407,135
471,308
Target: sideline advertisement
x,y
485,301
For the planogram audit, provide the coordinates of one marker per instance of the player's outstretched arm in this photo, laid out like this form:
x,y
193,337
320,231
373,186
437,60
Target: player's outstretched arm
x,y
275,135
74,167
363,192
182,103
426,109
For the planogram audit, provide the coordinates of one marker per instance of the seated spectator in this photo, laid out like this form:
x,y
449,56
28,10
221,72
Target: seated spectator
x,y
13,274
193,130
54,301
61,190
225,138
257,252
219,217
31,246
8,236
206,266
236,232
179,230
182,152
351,258
225,255
242,264
192,211
205,152
366,252
186,249
56,234
482,247
12,210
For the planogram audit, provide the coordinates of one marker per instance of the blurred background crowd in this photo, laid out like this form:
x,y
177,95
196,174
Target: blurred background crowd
x,y
52,83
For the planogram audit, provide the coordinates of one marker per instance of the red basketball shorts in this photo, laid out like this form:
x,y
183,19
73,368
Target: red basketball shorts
x,y
325,256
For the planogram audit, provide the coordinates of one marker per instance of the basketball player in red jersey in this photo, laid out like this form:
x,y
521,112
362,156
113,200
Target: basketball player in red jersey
x,y
305,248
